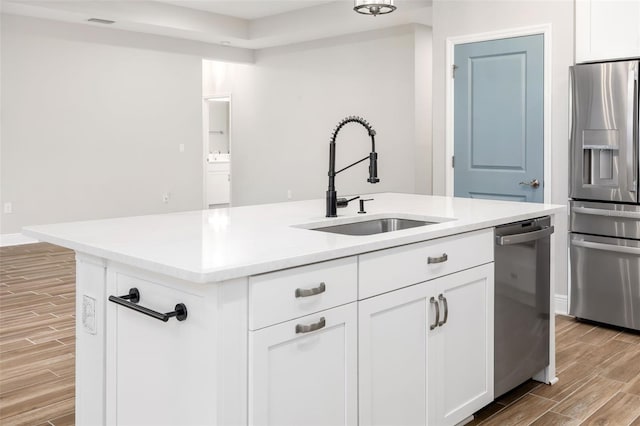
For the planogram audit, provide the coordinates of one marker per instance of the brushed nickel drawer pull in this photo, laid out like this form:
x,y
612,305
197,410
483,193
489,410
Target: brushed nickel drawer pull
x,y
439,259
306,292
300,328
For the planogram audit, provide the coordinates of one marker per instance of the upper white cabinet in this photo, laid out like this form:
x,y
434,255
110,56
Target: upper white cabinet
x,y
607,29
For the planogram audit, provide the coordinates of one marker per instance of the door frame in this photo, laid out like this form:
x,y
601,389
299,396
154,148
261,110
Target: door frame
x,y
205,143
545,30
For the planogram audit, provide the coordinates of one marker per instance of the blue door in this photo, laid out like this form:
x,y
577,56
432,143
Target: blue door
x,y
498,119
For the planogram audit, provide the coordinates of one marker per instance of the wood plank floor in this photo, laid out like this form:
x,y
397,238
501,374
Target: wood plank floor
x,y
37,335
598,367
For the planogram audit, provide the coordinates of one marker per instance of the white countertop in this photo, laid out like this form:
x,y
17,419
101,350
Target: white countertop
x,y
215,245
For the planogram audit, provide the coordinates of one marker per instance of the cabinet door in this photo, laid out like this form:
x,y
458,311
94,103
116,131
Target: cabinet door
x,y
607,29
218,187
461,348
304,372
393,330
158,373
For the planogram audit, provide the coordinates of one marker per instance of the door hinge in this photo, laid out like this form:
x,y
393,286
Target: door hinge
x,y
454,67
453,161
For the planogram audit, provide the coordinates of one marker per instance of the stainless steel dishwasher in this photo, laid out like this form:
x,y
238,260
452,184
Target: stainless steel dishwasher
x,y
522,302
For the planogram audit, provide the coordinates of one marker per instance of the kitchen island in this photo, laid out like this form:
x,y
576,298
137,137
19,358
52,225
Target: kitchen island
x,y
273,322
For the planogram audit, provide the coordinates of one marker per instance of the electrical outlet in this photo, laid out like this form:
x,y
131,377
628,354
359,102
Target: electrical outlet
x,y
181,147
89,314
8,207
165,197
289,194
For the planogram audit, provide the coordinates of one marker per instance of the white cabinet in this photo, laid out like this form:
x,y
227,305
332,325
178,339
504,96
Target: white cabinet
x,y
426,351
461,348
393,357
218,182
304,371
302,346
607,29
159,373
303,343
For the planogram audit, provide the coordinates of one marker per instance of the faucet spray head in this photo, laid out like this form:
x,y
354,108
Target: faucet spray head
x,y
373,168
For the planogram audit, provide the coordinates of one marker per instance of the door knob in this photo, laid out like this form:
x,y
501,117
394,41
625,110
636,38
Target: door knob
x,y
534,183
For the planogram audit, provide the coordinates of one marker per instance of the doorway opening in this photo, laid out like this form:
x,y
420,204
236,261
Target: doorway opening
x,y
217,151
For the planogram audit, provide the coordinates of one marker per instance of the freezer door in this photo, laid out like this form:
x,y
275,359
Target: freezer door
x,y
605,280
604,141
606,219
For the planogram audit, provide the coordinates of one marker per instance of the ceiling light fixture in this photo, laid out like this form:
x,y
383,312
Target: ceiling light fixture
x,y
374,7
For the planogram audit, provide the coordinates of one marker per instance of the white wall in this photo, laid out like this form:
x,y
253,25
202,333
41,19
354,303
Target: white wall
x,y
92,120
285,106
423,76
455,18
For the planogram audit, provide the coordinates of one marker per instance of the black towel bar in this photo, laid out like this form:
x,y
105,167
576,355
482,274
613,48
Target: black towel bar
x,y
130,301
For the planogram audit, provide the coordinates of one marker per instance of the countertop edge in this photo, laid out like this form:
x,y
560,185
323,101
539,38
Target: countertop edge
x,y
239,271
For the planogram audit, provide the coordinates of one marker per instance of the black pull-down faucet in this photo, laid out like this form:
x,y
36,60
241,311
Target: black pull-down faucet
x,y
332,198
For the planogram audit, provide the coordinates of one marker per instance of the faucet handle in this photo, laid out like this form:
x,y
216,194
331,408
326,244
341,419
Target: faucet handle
x,y
362,200
343,202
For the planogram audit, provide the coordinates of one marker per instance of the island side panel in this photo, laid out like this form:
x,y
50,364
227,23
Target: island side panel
x,y
223,341
161,372
90,340
557,278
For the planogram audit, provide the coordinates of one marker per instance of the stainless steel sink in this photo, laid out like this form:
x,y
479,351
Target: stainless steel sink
x,y
375,226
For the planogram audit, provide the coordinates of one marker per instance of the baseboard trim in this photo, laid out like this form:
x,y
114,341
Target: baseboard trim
x,y
562,304
15,240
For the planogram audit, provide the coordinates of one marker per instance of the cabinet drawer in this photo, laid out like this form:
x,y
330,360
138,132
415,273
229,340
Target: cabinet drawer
x,y
390,269
218,167
283,295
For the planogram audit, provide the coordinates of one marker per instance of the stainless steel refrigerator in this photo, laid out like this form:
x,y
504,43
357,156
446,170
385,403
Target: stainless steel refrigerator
x,y
604,207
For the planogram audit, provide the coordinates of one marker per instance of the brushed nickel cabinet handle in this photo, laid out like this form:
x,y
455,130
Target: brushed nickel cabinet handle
x,y
434,302
301,328
306,292
439,259
446,310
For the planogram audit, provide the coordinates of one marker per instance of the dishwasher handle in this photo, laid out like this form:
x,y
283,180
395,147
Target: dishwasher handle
x,y
507,240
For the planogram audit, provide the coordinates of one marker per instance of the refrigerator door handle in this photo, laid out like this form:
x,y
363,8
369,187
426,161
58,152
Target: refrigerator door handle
x,y
607,247
608,213
632,143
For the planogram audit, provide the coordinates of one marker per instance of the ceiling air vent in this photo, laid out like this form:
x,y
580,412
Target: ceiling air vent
x,y
101,21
